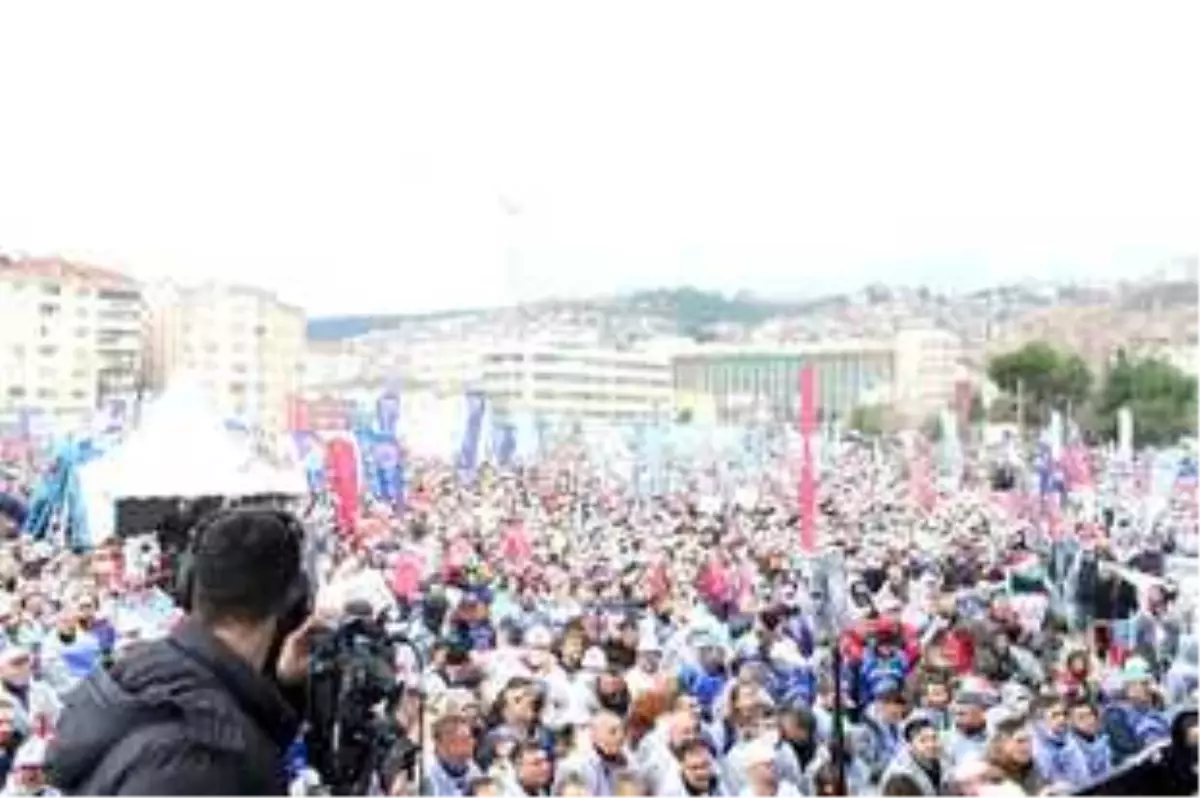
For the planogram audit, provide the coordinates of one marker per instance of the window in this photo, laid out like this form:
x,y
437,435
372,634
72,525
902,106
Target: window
x,y
51,289
47,351
47,310
46,393
16,391
81,332
78,394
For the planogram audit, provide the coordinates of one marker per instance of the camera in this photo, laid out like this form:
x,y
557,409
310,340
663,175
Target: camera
x,y
353,691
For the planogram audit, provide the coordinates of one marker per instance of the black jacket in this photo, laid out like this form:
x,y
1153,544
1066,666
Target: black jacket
x,y
180,716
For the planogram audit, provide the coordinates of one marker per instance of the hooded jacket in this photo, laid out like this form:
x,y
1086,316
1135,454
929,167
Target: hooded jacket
x,y
179,716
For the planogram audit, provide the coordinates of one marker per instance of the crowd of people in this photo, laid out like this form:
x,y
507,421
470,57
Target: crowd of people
x,y
580,638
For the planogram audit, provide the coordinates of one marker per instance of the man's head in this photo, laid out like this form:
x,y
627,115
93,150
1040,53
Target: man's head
x,y
922,737
532,766
454,739
245,569
1052,710
696,766
608,733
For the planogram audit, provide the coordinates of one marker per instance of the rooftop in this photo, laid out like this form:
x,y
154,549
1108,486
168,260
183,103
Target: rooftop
x,y
56,268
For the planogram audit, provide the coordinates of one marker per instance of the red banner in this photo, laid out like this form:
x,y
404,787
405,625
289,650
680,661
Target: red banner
x,y
298,415
341,462
808,477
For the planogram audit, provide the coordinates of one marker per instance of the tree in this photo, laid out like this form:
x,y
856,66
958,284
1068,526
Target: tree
x,y
931,427
1161,397
1045,378
869,419
978,413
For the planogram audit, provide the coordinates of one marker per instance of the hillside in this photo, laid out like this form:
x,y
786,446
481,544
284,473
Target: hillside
x,y
688,311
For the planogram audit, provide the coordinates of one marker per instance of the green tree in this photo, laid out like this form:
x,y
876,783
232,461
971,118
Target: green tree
x,y
869,419
931,427
1161,397
1046,379
978,413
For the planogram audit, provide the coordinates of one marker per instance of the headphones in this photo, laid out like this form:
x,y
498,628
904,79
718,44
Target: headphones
x,y
295,597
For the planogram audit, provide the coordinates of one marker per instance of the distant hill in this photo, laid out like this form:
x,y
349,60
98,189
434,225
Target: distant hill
x,y
689,310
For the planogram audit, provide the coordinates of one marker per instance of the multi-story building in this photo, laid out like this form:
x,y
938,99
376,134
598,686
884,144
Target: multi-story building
x,y
71,337
559,377
243,345
913,372
587,381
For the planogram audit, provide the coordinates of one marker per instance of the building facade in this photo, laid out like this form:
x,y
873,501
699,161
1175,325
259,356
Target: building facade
x,y
72,337
913,372
561,380
243,345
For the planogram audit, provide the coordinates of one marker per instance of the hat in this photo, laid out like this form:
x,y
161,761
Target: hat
x,y
1136,670
594,659
759,752
538,637
32,754
975,692
915,723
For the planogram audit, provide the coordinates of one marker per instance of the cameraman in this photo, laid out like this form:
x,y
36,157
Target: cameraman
x,y
194,713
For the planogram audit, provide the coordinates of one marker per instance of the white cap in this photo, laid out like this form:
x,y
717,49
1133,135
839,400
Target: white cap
x,y
759,752
594,659
31,754
538,637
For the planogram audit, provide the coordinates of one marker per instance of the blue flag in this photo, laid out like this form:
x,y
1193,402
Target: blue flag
x,y
468,453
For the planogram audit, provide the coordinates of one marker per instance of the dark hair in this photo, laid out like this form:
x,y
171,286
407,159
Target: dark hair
x,y
901,786
245,566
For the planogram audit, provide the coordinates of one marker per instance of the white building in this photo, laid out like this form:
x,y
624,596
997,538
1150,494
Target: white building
x,y
549,377
242,344
71,337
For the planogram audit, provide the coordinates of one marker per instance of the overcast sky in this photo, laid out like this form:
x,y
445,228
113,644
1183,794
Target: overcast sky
x,y
404,156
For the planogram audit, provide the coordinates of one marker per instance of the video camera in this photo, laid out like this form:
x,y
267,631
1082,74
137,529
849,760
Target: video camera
x,y
353,692
353,686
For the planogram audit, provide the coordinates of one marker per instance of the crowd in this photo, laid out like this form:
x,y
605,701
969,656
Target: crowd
x,y
578,638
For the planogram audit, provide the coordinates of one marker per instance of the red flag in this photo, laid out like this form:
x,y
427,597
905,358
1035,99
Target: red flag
x,y
342,464
808,486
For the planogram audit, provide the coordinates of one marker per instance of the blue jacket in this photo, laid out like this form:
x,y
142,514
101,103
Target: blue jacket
x,y
1097,753
1059,759
1130,729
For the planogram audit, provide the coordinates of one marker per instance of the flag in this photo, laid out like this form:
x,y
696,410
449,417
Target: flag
x,y
468,453
342,464
808,487
387,414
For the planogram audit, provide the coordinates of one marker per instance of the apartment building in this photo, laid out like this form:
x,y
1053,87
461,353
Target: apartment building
x,y
242,344
72,337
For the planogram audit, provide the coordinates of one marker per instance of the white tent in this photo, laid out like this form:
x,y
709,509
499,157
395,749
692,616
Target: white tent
x,y
180,448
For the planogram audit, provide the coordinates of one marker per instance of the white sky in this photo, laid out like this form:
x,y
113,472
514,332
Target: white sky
x,y
352,156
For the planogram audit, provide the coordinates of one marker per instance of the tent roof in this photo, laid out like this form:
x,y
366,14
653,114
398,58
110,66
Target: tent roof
x,y
182,448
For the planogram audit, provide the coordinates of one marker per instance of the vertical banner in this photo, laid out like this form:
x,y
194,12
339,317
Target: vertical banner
x,y
468,453
387,413
808,486
308,452
1125,434
389,465
342,466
